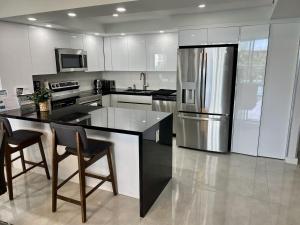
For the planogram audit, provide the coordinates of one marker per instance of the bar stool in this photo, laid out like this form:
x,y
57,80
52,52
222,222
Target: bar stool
x,y
76,143
16,141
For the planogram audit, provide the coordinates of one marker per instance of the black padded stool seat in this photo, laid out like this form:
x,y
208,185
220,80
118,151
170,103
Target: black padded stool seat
x,y
20,137
16,141
76,142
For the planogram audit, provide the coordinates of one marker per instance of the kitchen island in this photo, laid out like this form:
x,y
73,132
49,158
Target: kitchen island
x,y
142,143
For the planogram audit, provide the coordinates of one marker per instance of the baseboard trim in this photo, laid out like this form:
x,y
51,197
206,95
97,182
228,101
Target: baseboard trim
x,y
293,161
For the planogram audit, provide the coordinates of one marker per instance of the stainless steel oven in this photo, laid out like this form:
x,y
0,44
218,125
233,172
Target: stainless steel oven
x,y
70,60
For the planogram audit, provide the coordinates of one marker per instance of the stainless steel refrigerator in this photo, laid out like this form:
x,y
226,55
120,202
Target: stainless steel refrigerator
x,y
205,93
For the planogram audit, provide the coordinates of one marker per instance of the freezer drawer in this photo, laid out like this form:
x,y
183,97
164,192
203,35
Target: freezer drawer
x,y
203,132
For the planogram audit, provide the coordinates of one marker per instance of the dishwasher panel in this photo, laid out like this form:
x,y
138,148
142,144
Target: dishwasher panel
x,y
166,106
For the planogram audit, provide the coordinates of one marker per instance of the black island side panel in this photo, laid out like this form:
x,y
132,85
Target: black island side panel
x,y
155,162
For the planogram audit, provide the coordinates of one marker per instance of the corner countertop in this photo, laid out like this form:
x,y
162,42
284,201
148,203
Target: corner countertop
x,y
110,119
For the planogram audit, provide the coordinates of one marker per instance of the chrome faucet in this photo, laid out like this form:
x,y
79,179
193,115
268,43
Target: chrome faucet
x,y
144,77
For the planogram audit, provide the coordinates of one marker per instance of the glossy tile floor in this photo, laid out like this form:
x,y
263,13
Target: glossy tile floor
x,y
207,189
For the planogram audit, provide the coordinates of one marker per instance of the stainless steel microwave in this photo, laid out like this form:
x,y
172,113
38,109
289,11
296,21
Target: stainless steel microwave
x,y
70,60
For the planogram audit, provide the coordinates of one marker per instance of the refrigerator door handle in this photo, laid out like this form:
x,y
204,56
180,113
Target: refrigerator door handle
x,y
204,79
201,118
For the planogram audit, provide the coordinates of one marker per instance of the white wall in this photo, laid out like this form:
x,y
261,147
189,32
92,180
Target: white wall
x,y
15,60
156,80
279,84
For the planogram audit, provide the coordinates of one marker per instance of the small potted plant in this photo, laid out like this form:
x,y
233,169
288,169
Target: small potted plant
x,y
41,98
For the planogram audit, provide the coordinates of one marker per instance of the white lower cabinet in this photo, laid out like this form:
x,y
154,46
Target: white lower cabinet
x,y
132,102
106,100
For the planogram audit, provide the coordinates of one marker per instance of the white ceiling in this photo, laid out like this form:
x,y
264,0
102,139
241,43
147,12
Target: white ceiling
x,y
96,18
287,9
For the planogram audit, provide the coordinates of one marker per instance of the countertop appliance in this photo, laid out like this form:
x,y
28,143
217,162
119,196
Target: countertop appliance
x,y
70,60
97,85
164,100
205,95
66,93
108,85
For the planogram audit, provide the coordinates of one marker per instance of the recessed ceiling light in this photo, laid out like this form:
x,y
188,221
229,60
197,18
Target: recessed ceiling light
x,y
115,15
123,34
121,9
161,31
97,34
32,19
71,14
202,6
48,25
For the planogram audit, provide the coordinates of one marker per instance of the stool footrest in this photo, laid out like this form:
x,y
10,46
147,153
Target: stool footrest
x,y
30,168
66,199
66,180
107,178
94,188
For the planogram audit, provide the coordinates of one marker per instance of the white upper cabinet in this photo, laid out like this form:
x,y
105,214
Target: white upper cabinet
x,y
119,53
137,53
94,47
162,52
43,43
107,54
76,41
223,35
193,37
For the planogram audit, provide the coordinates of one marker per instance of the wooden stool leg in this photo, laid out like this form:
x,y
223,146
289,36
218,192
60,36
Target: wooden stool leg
x,y
22,159
44,159
9,173
111,171
54,180
82,188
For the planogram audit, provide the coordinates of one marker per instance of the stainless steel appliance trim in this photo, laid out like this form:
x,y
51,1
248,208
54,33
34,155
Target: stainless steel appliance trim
x,y
202,118
61,51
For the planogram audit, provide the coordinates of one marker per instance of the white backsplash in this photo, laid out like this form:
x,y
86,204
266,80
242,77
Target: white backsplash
x,y
156,80
85,79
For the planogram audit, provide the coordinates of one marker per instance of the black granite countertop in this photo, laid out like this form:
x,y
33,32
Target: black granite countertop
x,y
117,120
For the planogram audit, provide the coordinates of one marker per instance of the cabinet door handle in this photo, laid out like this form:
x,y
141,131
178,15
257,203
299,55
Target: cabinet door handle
x,y
137,103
